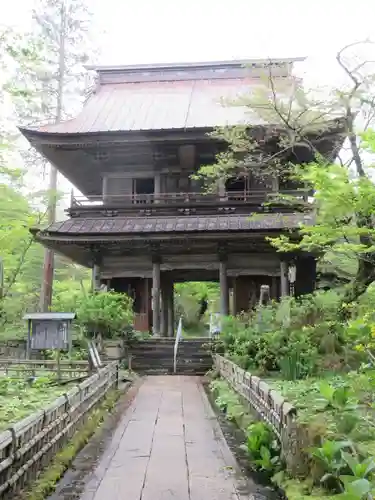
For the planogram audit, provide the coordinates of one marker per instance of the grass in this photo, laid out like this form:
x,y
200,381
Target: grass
x,y
19,399
325,419
47,481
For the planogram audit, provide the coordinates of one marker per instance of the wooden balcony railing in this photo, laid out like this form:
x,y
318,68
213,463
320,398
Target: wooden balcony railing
x,y
181,199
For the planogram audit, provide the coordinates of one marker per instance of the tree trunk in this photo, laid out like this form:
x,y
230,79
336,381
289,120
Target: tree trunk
x,y
49,256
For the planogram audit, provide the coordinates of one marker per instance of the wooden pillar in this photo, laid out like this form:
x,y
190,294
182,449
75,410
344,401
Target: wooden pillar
x,y
162,314
157,186
221,189
164,307
274,288
95,278
241,290
156,297
284,289
171,311
224,292
148,294
146,302
305,275
105,189
231,298
235,295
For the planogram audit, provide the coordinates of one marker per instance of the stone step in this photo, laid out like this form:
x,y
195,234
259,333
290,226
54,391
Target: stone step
x,y
155,356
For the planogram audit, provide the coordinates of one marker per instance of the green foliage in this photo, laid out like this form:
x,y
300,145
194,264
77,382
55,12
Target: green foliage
x,y
291,367
18,398
337,198
337,406
262,447
227,400
291,336
330,460
343,471
22,259
189,298
342,198
31,84
69,294
336,397
105,313
260,444
359,470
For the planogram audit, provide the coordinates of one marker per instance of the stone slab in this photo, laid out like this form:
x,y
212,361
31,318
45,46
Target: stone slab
x,y
168,446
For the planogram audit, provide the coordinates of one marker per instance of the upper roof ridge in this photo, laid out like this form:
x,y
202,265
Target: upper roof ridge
x,y
194,70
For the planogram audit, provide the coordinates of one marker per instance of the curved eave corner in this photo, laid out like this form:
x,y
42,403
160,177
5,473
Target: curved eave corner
x,y
34,231
39,235
37,135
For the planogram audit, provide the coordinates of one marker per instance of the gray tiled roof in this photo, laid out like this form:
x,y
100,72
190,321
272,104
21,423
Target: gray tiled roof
x,y
134,225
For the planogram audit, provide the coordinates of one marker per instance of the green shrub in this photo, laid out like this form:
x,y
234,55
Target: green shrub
x,y
275,336
262,448
105,313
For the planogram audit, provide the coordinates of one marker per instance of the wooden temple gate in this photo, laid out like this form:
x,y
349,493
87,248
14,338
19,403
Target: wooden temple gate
x,y
143,221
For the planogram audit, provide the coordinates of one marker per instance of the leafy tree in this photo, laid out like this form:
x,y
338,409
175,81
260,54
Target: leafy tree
x,y
21,205
58,81
105,314
344,195
69,294
21,256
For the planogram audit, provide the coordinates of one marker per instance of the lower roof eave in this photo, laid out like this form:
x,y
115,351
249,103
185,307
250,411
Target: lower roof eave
x,y
64,251
114,237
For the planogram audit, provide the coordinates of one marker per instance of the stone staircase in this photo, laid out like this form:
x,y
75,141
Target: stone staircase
x,y
155,356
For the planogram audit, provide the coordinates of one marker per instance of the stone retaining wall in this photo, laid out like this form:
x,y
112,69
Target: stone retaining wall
x,y
271,407
28,446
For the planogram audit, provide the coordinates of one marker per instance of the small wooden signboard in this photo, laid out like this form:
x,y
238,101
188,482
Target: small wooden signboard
x,y
49,331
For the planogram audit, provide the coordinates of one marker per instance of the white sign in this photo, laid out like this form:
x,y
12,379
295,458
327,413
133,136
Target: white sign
x,y
178,337
215,324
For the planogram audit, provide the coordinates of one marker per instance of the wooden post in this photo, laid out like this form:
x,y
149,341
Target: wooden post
x,y
164,308
170,309
29,332
157,186
156,297
221,189
305,275
147,301
224,293
95,281
273,288
58,360
284,289
105,190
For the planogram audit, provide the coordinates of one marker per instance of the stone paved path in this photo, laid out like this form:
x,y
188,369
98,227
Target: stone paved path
x,y
167,446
